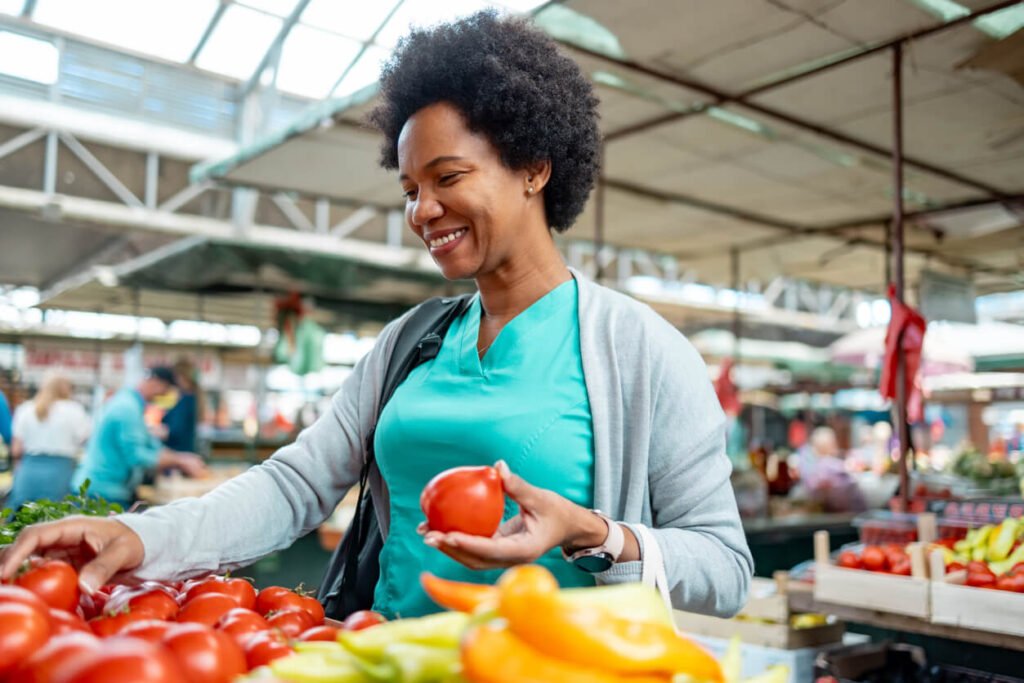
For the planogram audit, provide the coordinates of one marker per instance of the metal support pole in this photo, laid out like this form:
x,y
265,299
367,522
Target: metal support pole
x,y
737,319
897,267
50,165
152,180
599,221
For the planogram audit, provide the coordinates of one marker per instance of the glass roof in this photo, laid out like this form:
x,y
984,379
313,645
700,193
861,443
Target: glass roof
x,y
335,46
11,6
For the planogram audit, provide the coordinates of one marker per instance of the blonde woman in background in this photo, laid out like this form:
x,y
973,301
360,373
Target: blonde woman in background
x,y
49,433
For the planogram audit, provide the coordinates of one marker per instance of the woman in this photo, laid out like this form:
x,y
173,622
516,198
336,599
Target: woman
x,y
49,433
181,419
590,397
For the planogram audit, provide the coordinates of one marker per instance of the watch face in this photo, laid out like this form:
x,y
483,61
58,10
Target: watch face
x,y
594,564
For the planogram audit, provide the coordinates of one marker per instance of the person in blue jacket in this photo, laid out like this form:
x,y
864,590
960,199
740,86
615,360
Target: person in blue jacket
x,y
122,448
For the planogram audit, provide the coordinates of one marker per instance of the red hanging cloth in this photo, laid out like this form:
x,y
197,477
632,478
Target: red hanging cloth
x,y
727,393
906,329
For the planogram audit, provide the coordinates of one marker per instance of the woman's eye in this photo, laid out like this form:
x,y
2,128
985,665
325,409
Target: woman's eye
x,y
449,177
409,194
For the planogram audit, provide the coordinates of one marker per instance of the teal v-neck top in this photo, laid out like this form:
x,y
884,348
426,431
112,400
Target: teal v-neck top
x,y
525,402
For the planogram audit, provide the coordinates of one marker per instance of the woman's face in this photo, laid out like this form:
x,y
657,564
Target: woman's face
x,y
469,209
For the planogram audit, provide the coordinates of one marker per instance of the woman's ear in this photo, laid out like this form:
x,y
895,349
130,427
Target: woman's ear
x,y
537,176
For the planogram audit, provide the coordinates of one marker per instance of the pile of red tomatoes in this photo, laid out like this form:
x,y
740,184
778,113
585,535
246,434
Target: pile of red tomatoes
x,y
206,630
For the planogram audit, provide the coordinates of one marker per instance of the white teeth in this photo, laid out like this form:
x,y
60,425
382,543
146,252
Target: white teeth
x,y
441,241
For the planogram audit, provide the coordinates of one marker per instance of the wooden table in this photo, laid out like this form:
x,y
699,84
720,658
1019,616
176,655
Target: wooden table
x,y
801,599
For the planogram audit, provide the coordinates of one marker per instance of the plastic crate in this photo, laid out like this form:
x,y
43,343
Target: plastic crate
x,y
879,527
893,663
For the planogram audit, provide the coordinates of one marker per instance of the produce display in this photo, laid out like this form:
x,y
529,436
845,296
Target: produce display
x,y
219,629
992,556
890,558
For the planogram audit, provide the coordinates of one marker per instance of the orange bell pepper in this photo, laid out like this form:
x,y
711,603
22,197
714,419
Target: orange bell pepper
x,y
491,654
458,595
589,635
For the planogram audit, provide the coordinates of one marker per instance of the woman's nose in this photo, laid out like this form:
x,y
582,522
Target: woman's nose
x,y
425,209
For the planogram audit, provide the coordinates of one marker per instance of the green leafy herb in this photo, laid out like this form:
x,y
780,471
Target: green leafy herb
x,y
44,510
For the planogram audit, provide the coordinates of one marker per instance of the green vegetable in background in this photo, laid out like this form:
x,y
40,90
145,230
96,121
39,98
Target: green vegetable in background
x,y
47,510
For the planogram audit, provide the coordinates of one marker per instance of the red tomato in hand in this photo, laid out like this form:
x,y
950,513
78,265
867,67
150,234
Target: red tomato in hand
x,y
328,633
55,581
40,667
873,558
466,499
240,623
849,560
207,608
292,622
364,618
66,622
122,660
263,648
205,655
157,602
239,589
24,629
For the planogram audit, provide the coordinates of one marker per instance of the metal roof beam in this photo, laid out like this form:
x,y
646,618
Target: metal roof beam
x,y
208,31
274,48
739,98
794,231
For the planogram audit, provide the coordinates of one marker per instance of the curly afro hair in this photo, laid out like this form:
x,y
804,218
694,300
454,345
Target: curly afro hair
x,y
513,85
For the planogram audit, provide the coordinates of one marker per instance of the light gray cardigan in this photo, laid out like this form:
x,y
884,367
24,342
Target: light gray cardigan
x,y
659,460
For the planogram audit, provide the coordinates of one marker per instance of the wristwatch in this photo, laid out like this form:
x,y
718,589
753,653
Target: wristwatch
x,y
600,558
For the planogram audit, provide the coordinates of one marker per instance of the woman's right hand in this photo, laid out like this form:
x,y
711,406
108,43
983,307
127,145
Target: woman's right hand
x,y
98,547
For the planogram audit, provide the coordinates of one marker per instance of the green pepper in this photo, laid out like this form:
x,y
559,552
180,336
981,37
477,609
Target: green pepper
x,y
441,630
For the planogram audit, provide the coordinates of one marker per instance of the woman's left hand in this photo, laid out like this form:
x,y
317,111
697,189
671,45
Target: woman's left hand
x,y
546,520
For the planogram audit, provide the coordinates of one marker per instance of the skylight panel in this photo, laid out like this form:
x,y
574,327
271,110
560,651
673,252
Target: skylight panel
x,y
280,8
1003,23
521,6
424,13
312,60
11,6
238,42
28,58
169,30
363,73
354,19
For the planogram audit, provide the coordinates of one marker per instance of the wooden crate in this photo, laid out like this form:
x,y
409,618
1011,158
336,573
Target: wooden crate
x,y
981,609
907,595
763,621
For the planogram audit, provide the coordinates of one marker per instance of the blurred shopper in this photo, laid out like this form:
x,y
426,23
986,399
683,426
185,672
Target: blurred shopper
x,y
5,419
824,478
49,433
122,449
579,396
182,418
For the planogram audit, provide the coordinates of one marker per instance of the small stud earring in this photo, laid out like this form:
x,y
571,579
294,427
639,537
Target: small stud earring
x,y
529,190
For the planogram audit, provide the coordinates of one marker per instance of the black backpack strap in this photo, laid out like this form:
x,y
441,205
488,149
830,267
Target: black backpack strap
x,y
354,569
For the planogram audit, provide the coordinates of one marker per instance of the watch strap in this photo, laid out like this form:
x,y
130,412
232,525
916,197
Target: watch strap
x,y
612,546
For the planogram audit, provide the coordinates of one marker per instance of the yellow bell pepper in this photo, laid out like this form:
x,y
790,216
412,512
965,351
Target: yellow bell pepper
x,y
589,635
492,654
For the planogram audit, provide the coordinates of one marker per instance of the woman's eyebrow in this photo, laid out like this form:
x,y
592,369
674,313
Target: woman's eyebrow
x,y
434,162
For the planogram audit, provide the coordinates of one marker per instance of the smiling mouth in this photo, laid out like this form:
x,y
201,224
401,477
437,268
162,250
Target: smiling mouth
x,y
450,237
